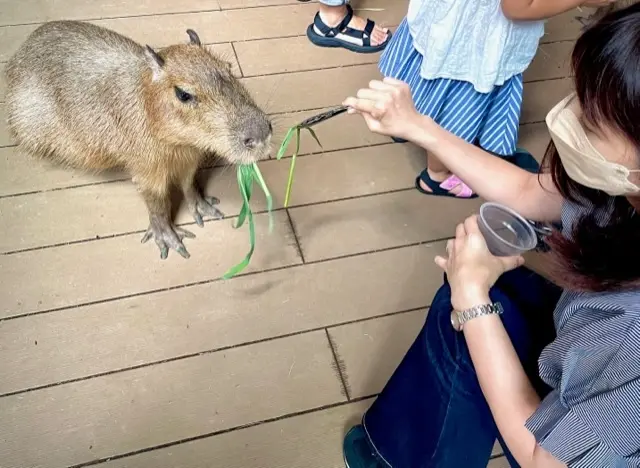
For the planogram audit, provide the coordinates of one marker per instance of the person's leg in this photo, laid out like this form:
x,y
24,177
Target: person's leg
x,y
432,412
489,120
331,14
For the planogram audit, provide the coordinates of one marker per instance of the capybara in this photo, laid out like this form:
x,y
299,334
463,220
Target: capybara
x,y
89,98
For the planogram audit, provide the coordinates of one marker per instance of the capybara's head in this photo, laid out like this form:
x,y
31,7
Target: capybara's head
x,y
193,99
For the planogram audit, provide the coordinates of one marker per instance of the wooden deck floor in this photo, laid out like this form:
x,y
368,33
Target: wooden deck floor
x,y
111,357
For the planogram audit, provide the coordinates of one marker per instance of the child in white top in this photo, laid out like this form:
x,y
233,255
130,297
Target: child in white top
x,y
464,60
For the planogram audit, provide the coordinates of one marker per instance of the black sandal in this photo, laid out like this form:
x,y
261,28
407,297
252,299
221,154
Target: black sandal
x,y
344,36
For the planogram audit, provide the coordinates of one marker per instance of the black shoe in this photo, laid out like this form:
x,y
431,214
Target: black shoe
x,y
399,140
358,452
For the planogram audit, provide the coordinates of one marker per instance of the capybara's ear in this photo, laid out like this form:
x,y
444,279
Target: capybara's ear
x,y
155,62
193,36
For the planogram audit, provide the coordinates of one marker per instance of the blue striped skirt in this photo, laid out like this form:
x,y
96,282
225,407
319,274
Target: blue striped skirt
x,y
489,120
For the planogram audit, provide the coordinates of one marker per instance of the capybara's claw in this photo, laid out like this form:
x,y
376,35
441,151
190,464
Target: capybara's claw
x,y
205,206
167,236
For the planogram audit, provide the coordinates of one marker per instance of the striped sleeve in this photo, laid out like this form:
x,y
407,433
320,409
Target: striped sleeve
x,y
593,419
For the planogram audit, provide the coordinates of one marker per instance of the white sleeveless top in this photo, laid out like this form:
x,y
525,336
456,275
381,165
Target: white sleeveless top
x,y
471,40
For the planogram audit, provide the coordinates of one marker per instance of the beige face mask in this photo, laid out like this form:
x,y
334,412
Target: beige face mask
x,y
582,161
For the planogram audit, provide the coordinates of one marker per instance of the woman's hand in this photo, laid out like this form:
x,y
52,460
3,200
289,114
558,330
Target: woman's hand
x,y
471,269
387,107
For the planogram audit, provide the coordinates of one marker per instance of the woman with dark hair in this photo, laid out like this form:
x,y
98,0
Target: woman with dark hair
x,y
553,373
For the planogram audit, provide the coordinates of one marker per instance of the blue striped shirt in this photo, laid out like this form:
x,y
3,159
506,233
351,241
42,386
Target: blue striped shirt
x,y
592,417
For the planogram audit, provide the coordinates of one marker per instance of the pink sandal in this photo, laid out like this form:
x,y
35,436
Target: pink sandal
x,y
444,189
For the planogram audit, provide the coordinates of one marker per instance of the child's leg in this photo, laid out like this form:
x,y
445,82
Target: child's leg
x,y
438,173
333,12
335,25
488,120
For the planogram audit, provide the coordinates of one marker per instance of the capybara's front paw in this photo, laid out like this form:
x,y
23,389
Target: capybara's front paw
x,y
204,207
167,236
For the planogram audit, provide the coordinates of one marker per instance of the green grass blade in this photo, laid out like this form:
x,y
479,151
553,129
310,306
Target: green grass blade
x,y
285,143
315,137
244,184
287,194
263,185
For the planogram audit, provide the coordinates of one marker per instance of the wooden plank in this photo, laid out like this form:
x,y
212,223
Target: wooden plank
x,y
24,174
70,344
351,173
551,62
39,11
311,441
11,37
3,82
97,211
371,351
500,462
564,27
296,91
384,221
265,57
225,51
316,89
236,4
76,274
258,23
541,96
110,209
5,139
142,408
212,26
535,139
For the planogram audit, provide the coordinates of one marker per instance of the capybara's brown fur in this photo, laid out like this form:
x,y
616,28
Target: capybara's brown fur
x,y
89,98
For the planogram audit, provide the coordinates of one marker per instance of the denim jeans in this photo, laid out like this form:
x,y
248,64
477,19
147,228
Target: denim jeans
x,y
432,413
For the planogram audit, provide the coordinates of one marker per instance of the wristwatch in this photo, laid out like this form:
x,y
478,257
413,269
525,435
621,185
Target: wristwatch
x,y
458,319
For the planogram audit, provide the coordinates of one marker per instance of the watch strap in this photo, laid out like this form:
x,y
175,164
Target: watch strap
x,y
479,311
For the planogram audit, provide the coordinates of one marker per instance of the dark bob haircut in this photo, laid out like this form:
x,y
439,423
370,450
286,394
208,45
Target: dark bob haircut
x,y
603,255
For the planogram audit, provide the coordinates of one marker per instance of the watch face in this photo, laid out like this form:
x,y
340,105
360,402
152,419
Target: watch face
x,y
455,321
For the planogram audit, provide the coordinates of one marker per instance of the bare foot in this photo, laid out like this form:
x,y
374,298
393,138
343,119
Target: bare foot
x,y
332,16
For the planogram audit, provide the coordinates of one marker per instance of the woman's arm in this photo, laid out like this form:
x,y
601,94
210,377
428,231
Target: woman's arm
x,y
387,108
533,196
507,389
522,10
472,271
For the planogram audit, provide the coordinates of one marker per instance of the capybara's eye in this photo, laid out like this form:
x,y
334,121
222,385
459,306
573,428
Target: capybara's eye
x,y
183,96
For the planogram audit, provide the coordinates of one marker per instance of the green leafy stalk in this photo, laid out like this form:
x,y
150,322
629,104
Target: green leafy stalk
x,y
283,148
246,174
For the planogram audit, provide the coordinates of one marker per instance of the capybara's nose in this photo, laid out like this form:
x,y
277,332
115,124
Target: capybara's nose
x,y
257,130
